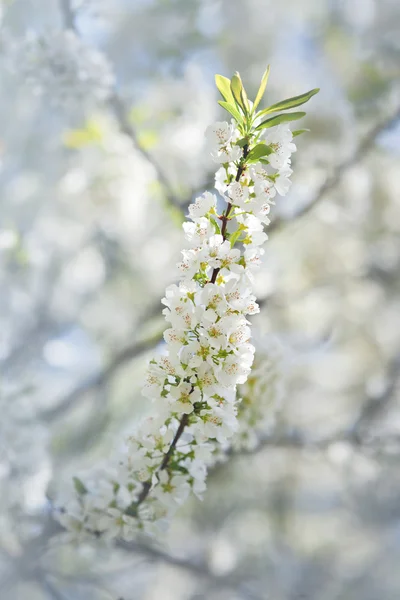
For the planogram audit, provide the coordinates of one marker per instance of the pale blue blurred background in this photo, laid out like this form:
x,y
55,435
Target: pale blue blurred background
x,y
95,179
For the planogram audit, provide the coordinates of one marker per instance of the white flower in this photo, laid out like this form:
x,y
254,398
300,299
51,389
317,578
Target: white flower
x,y
116,524
216,333
184,396
221,137
227,154
219,134
171,491
220,254
221,181
196,352
190,263
253,228
237,194
175,338
280,140
198,471
217,423
234,370
213,298
202,205
198,231
283,182
263,185
261,210
180,311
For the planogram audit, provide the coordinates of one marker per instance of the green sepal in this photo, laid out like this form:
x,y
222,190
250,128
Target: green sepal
x,y
283,118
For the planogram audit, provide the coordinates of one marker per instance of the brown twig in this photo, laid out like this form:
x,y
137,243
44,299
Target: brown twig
x,y
226,214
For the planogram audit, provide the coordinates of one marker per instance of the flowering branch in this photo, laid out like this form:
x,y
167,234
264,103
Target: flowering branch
x,y
184,421
192,388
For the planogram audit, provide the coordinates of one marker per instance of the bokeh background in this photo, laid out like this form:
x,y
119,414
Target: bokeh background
x,y
103,109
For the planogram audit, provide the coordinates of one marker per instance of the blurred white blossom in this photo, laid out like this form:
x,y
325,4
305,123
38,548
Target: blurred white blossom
x,y
24,453
65,70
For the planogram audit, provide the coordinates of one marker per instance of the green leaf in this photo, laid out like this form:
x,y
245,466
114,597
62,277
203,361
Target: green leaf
x,y
299,132
283,118
245,100
224,86
262,87
233,238
259,151
289,103
237,91
216,226
79,487
242,142
232,110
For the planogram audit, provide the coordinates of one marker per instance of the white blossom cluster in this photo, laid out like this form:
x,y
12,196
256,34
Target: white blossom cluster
x,y
259,400
192,386
65,70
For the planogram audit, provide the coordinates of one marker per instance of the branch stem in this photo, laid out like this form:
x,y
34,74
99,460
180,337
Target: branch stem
x,y
225,216
68,14
185,418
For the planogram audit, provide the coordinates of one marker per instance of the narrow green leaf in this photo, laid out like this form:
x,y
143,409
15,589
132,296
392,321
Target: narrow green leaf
x,y
245,100
259,151
235,236
217,228
236,89
289,103
232,110
262,87
224,86
299,132
283,118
